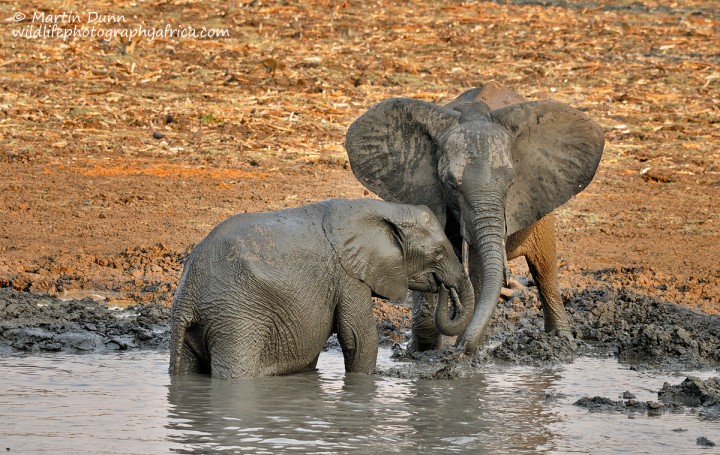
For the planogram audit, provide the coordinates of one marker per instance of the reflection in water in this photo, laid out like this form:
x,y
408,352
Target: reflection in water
x,y
127,403
324,412
329,411
528,417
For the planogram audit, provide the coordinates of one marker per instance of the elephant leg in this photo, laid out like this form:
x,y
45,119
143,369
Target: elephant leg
x,y
540,252
231,359
425,336
356,329
190,356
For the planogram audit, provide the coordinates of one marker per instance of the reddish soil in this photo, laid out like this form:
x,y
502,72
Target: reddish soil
x,y
116,158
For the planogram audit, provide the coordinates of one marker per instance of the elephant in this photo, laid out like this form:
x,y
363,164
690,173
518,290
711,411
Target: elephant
x,y
492,166
263,292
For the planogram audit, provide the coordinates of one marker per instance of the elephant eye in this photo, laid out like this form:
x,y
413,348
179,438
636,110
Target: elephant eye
x,y
452,182
438,253
449,174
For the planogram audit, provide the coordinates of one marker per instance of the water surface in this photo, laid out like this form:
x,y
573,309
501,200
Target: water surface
x,y
127,403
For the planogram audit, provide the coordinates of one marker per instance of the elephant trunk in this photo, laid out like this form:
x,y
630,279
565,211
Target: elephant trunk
x,y
462,295
487,236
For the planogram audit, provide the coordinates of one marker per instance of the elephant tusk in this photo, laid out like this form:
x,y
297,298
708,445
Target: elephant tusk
x,y
506,268
465,254
456,298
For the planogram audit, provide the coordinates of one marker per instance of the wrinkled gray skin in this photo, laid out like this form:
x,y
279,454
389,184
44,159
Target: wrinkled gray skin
x,y
261,294
491,166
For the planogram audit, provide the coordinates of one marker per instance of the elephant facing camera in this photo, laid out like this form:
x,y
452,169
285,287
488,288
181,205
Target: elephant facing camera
x,y
492,166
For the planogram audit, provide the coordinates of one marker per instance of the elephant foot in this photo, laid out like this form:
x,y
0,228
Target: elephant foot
x,y
470,347
417,345
563,333
455,352
515,288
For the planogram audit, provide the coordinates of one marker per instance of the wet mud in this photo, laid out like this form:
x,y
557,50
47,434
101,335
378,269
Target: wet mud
x,y
637,329
701,397
35,323
616,321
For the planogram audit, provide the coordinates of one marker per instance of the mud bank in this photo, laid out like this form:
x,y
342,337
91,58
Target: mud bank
x,y
609,322
135,275
614,321
636,329
34,323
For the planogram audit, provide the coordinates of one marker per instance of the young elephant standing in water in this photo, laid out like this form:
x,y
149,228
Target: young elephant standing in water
x,y
261,294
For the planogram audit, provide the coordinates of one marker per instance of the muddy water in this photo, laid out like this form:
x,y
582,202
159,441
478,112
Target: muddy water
x,y
126,403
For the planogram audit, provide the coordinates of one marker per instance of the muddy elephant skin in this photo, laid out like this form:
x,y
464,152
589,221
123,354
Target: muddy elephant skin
x,y
261,294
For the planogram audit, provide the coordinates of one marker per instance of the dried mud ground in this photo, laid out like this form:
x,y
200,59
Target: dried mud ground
x,y
117,157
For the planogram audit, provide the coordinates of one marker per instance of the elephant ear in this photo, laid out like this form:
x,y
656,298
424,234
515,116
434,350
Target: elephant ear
x,y
369,244
555,155
392,151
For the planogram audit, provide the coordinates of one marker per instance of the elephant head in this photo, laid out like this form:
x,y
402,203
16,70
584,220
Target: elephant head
x,y
493,171
396,247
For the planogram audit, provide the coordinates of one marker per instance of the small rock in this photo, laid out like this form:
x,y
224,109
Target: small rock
x,y
362,80
693,391
654,405
657,175
553,397
705,442
628,396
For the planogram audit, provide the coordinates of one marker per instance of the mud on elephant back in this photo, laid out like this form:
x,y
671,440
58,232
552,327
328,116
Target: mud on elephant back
x,y
492,166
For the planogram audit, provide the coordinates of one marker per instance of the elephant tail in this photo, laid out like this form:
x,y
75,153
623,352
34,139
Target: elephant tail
x,y
183,317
